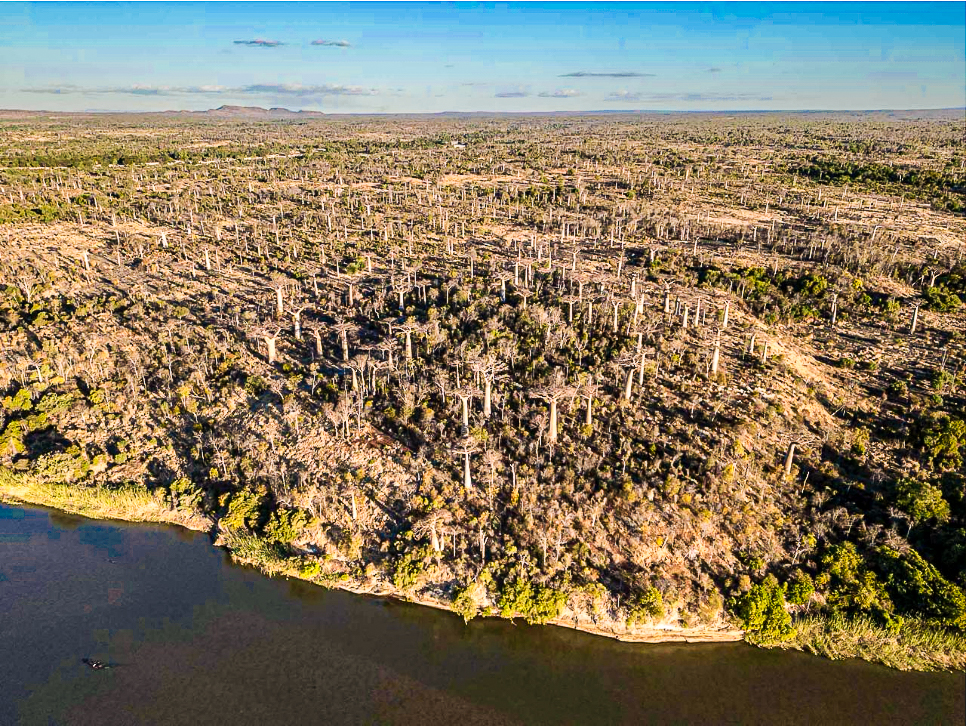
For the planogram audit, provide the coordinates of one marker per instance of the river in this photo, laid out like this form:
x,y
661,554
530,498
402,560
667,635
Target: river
x,y
196,639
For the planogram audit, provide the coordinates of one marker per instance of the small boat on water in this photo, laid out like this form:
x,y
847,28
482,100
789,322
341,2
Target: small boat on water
x,y
95,664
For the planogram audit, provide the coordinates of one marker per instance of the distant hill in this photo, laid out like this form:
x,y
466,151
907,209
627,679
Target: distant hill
x,y
254,112
227,112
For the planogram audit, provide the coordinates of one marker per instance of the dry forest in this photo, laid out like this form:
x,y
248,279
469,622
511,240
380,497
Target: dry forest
x,y
656,377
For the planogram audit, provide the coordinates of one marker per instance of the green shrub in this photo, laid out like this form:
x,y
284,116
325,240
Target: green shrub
x,y
465,603
799,588
921,501
409,568
850,586
942,440
184,494
286,525
813,285
898,388
761,611
941,380
941,299
536,603
244,509
255,386
11,438
54,403
644,606
919,590
20,401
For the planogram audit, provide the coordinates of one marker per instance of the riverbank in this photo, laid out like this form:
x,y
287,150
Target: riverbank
x,y
129,504
255,552
134,504
914,648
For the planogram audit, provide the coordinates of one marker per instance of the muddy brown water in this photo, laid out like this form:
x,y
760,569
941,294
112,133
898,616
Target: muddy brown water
x,y
196,639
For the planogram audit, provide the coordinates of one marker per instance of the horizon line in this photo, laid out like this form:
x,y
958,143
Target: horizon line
x,y
282,109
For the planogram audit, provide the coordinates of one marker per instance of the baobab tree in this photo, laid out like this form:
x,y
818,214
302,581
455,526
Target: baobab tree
x,y
409,327
433,524
487,367
465,394
493,461
570,300
350,280
503,277
386,347
317,329
714,365
297,322
466,447
552,393
588,391
270,336
279,284
342,329
626,365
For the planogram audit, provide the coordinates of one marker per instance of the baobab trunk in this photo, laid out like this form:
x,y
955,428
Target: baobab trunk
x,y
715,358
552,434
270,343
913,324
628,383
789,457
279,309
467,483
486,403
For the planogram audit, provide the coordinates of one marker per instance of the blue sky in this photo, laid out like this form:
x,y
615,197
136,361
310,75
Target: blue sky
x,y
400,57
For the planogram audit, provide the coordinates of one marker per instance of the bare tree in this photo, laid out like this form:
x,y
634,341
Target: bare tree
x,y
466,447
552,393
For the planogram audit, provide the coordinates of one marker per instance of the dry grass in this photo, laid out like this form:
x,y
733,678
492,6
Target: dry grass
x,y
914,647
131,504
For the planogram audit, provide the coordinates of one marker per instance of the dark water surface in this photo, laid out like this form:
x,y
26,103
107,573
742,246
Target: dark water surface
x,y
198,640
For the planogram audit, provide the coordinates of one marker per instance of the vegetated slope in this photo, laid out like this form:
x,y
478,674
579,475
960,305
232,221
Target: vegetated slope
x,y
633,376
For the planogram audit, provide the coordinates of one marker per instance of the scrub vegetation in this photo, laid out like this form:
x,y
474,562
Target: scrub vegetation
x,y
655,377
